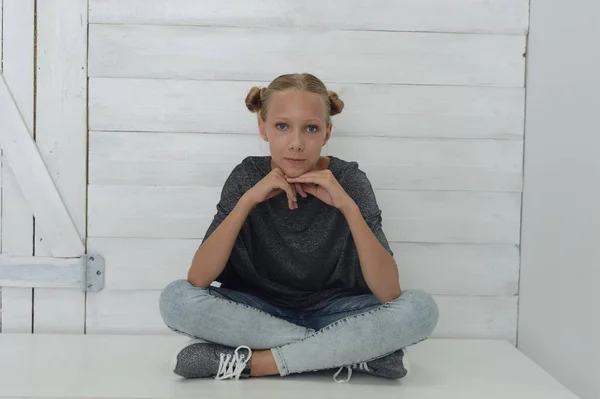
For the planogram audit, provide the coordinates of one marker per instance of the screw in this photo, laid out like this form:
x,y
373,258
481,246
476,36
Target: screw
x,y
92,258
98,272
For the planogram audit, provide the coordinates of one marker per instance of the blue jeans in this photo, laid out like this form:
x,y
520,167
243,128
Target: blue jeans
x,y
349,330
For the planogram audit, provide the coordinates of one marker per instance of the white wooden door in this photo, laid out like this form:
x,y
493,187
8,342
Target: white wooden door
x,y
17,219
44,68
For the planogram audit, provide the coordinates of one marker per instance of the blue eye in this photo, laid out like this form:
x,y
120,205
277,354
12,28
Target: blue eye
x,y
312,128
281,126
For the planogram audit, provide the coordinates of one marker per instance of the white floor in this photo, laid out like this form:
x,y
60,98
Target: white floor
x,y
127,366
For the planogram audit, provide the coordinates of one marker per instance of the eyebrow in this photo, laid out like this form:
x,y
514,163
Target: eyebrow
x,y
287,118
314,119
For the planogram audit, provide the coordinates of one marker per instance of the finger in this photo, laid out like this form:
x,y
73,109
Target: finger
x,y
310,189
284,185
297,188
320,180
295,196
290,202
278,186
300,189
313,174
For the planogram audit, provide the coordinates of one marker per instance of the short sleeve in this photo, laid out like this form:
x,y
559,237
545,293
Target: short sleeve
x,y
374,223
230,195
359,188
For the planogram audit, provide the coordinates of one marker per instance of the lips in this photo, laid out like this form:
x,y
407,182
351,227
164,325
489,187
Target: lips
x,y
295,160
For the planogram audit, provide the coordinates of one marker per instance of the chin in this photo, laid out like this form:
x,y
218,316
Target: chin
x,y
292,172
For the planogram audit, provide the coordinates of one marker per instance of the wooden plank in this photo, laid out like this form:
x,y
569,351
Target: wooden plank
x,y
477,317
393,110
135,264
17,305
1,41
35,182
180,159
463,269
429,164
17,219
61,136
71,303
409,216
14,208
39,271
136,312
452,216
124,312
116,211
1,55
145,51
458,269
0,204
495,16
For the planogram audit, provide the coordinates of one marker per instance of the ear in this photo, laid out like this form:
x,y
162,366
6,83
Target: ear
x,y
262,128
328,133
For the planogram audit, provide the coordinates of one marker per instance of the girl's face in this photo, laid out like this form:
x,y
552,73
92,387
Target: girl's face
x,y
296,129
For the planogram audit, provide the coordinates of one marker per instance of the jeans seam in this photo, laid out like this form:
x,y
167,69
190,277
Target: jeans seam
x,y
308,333
285,370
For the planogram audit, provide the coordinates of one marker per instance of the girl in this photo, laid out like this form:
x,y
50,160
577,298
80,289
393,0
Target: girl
x,y
308,280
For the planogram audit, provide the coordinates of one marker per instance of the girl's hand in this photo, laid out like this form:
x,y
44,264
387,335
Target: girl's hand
x,y
323,185
271,185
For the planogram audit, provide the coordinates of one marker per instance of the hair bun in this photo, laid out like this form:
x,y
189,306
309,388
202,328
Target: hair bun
x,y
254,98
336,104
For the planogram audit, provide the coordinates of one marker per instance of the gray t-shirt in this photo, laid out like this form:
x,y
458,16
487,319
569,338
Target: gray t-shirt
x,y
303,258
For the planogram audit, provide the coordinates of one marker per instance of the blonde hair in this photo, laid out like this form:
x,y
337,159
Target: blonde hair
x,y
258,98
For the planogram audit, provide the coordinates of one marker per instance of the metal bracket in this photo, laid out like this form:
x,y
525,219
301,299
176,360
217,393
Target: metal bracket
x,y
94,273
85,273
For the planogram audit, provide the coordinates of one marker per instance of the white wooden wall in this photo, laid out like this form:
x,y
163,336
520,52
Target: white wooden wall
x,y
435,108
434,94
45,67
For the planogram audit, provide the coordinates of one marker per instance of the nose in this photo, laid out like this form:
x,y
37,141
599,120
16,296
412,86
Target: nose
x,y
296,142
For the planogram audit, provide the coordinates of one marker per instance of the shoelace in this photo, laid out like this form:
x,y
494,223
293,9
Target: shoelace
x,y
359,366
231,366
